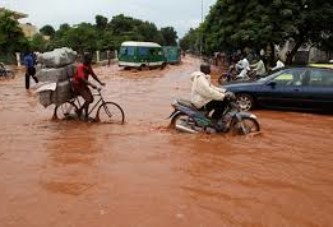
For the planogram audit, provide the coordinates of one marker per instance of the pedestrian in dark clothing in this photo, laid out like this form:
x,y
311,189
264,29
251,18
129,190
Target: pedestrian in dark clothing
x,y
30,70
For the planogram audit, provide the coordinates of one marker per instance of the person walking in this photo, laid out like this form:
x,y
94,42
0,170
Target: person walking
x,y
30,69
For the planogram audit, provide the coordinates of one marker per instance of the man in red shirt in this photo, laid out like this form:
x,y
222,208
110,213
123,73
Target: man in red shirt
x,y
81,83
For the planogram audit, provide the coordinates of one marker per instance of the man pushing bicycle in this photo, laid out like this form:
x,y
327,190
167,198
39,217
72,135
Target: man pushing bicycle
x,y
81,83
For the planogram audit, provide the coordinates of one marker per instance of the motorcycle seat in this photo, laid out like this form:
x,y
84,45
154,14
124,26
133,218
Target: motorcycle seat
x,y
186,103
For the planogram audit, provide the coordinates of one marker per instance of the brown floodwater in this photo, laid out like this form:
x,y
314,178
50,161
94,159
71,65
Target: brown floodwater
x,y
142,174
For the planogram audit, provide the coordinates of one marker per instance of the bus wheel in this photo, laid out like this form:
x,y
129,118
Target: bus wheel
x,y
142,67
163,65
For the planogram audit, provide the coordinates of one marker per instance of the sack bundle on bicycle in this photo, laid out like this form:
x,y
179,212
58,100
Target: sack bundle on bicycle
x,y
55,71
57,74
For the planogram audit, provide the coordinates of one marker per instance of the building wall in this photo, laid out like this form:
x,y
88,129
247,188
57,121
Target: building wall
x,y
305,54
29,30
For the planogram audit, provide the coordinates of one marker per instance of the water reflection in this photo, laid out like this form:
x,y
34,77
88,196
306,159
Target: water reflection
x,y
71,164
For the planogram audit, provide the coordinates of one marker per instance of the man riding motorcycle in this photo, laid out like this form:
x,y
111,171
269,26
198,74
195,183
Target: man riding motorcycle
x,y
243,66
207,97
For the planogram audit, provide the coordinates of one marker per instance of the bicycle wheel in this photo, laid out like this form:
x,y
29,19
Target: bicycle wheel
x,y
65,111
110,112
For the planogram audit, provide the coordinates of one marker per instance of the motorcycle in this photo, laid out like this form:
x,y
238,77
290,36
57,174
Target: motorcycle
x,y
232,75
187,118
5,72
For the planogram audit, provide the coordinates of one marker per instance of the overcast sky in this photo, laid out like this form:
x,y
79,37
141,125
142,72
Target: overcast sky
x,y
181,14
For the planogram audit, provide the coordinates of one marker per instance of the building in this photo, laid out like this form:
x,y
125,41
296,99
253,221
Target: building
x,y
28,29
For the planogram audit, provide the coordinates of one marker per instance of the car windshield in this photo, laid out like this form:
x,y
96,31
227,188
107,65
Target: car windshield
x,y
270,77
285,75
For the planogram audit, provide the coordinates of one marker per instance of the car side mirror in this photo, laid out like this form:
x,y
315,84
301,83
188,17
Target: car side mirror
x,y
272,84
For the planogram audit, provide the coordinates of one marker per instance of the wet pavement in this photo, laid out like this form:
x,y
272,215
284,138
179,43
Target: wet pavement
x,y
142,174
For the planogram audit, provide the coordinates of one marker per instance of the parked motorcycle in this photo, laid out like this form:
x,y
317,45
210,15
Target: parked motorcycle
x,y
187,118
5,72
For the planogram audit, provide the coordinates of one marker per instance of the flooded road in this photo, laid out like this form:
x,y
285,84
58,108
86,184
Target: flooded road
x,y
143,175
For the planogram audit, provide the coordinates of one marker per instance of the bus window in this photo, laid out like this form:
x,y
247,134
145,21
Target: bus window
x,y
127,51
143,51
123,50
130,51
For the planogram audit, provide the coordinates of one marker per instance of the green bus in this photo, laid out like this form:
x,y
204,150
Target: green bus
x,y
172,54
141,55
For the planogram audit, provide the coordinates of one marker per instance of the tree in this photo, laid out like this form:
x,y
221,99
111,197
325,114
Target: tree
x,y
12,38
108,36
128,28
191,41
170,36
47,30
38,43
82,37
236,24
101,22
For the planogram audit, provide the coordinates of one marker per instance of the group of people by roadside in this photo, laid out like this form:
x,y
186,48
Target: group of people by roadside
x,y
241,68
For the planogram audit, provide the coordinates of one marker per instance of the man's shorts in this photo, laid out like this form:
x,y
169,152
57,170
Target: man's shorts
x,y
83,91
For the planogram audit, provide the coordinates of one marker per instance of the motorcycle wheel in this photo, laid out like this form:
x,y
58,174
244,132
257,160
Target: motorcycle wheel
x,y
246,126
183,122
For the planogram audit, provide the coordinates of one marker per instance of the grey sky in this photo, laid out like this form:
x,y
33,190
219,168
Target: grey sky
x,y
181,14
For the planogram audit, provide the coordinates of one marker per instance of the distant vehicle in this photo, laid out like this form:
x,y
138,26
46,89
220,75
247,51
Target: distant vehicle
x,y
141,55
303,88
172,54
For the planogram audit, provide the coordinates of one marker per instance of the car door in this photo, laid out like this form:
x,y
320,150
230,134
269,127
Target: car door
x,y
283,90
317,90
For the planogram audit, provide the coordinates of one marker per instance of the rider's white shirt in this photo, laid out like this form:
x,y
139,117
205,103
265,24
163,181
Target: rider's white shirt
x,y
203,91
279,65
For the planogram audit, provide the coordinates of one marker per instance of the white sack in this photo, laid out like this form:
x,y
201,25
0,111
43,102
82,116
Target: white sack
x,y
57,58
55,74
62,94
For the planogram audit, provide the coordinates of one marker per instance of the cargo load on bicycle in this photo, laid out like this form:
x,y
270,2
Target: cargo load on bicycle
x,y
55,71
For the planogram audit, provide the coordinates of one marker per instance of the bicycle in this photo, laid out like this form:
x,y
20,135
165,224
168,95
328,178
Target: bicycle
x,y
107,112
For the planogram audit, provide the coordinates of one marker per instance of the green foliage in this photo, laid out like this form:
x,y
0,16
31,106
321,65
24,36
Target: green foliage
x,y
84,36
191,41
101,22
47,30
11,36
38,43
235,24
170,36
109,36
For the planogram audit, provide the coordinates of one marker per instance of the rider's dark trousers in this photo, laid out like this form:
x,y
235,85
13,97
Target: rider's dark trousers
x,y
217,106
30,72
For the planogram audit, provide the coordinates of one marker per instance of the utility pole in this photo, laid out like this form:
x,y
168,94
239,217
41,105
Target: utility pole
x,y
201,33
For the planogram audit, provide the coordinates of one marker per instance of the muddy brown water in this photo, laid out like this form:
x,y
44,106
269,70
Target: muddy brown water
x,y
142,174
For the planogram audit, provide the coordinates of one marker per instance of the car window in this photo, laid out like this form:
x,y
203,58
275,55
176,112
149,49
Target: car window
x,y
290,77
321,77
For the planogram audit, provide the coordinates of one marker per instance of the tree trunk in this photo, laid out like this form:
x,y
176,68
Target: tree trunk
x,y
272,57
291,54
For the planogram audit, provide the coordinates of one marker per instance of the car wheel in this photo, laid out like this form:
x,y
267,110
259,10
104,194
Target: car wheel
x,y
245,102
